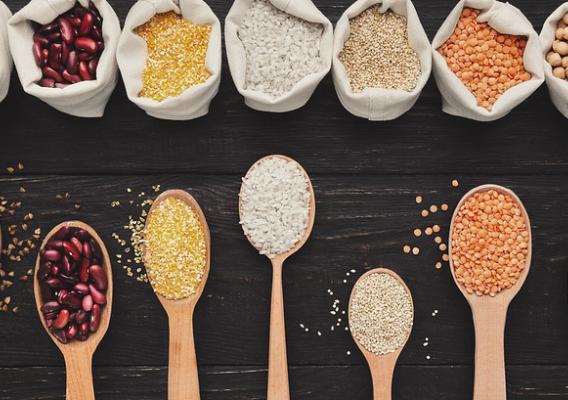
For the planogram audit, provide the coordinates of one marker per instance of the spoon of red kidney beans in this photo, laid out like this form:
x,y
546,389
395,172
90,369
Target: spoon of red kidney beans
x,y
68,49
73,284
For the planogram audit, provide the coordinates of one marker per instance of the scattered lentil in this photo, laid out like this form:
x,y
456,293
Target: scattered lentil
x,y
424,213
377,53
280,48
433,208
415,251
428,231
406,249
177,50
486,61
274,205
418,199
176,254
455,183
381,313
417,232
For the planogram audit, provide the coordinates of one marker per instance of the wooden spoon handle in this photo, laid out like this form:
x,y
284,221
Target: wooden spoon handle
x,y
278,386
490,380
382,371
79,376
183,378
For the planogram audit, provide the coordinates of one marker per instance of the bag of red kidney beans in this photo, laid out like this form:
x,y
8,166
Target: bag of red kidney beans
x,y
64,52
5,57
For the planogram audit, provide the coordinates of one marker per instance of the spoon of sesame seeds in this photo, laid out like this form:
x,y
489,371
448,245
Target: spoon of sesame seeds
x,y
277,213
381,314
490,256
177,258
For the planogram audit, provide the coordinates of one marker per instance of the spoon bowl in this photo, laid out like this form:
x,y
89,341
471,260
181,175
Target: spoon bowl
x,y
278,382
490,314
381,366
78,355
183,379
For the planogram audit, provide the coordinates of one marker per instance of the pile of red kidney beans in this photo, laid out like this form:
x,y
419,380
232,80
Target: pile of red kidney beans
x,y
68,49
73,284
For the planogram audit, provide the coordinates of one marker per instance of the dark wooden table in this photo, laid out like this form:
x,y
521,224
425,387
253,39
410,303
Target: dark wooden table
x,y
366,176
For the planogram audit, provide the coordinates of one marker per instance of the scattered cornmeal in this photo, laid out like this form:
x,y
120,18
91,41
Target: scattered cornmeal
x,y
380,313
177,50
175,252
486,61
377,53
490,241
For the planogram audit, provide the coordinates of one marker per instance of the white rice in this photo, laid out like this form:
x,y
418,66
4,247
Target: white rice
x,y
274,205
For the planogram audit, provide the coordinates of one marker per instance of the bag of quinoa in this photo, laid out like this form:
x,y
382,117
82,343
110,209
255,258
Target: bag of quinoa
x,y
278,51
152,80
554,32
384,85
76,49
493,32
5,57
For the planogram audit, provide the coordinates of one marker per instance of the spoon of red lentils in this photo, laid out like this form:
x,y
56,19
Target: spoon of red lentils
x,y
490,257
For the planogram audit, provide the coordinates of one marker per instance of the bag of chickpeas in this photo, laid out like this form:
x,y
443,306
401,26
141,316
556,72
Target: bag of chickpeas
x,y
487,59
382,58
5,57
65,53
554,40
169,56
278,51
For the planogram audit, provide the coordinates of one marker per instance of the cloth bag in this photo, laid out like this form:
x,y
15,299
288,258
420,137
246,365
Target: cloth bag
x,y
505,18
558,88
133,52
379,104
5,57
236,56
83,99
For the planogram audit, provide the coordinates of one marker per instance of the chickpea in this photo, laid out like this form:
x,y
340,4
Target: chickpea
x,y
560,47
565,62
554,59
565,19
559,72
559,34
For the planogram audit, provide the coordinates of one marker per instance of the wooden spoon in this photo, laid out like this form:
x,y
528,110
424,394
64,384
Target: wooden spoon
x,y
490,317
381,366
79,355
183,378
278,384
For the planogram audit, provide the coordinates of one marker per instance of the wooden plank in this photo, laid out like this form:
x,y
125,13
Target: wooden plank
x,y
362,222
322,136
310,382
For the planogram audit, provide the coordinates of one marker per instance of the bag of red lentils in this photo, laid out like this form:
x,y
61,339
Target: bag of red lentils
x,y
389,94
278,51
487,59
555,31
65,53
5,57
165,82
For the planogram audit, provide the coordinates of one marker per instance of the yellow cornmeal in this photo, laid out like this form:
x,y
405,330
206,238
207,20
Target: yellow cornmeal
x,y
175,249
177,50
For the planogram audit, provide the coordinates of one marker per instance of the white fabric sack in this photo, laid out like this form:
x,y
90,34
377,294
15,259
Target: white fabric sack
x,y
83,99
133,52
505,18
236,56
5,57
558,88
379,104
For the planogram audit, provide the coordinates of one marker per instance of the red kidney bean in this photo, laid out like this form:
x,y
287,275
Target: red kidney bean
x,y
64,53
38,54
87,23
66,264
62,319
75,21
84,329
73,300
61,234
49,28
98,276
54,244
86,56
72,62
87,303
60,335
52,255
40,39
95,319
67,30
69,280
98,296
77,243
84,272
52,37
82,288
54,283
55,270
93,66
62,295
86,44
80,316
51,73
71,251
54,59
72,78
47,82
84,71
96,33
71,331
87,250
